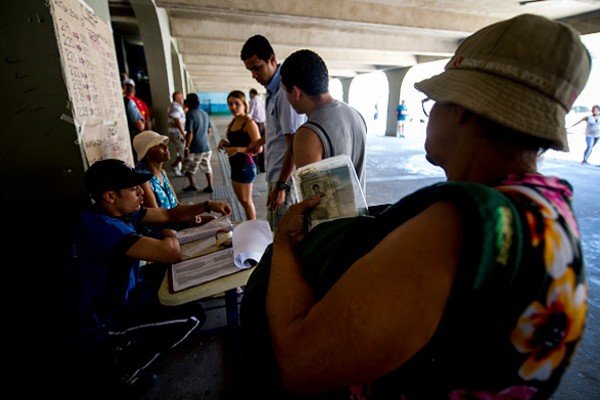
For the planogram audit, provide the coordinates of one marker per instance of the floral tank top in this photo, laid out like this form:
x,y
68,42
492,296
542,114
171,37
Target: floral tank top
x,y
515,313
165,198
518,305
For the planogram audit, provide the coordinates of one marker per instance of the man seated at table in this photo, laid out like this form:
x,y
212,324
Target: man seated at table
x,y
121,327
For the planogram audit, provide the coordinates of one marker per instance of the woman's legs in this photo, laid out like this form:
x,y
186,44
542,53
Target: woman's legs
x,y
591,142
243,191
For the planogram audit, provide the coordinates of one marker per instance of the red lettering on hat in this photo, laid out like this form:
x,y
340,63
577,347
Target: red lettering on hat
x,y
458,61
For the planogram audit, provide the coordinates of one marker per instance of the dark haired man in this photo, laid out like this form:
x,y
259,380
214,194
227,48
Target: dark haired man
x,y
333,127
197,150
121,328
282,121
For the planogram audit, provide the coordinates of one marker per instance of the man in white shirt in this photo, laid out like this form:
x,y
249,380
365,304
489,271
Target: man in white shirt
x,y
259,58
177,130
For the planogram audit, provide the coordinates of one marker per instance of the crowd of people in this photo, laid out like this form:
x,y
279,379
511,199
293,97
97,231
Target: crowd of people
x,y
422,299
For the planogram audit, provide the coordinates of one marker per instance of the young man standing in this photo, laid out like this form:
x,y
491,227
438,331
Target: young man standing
x,y
333,128
282,121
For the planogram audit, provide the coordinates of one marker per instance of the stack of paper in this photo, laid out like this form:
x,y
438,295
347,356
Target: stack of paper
x,y
250,239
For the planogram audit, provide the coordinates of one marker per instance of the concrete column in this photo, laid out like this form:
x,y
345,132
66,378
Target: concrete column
x,y
154,28
395,78
346,82
178,77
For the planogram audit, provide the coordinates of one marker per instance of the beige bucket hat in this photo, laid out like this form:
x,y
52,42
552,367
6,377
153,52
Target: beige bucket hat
x,y
144,141
524,73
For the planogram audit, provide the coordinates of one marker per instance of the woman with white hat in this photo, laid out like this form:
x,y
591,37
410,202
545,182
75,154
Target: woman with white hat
x,y
153,151
469,289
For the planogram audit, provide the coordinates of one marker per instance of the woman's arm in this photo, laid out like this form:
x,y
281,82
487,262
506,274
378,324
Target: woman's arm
x,y
382,311
149,197
578,122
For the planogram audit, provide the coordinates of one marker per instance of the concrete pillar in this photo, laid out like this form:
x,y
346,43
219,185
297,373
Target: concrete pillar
x,y
178,77
154,28
346,82
395,78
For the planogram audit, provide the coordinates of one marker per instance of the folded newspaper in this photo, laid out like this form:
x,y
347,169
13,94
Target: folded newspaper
x,y
250,239
335,181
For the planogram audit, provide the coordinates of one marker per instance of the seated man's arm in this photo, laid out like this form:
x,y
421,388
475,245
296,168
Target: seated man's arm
x,y
165,250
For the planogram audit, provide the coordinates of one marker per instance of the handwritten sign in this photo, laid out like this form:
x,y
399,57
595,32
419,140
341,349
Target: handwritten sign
x,y
91,74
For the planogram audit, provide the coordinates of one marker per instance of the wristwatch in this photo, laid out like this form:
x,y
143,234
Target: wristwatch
x,y
281,185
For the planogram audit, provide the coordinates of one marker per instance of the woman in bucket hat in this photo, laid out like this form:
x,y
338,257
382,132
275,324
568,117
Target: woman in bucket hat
x,y
153,151
471,288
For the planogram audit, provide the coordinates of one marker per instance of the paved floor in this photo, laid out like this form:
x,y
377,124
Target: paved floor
x,y
395,167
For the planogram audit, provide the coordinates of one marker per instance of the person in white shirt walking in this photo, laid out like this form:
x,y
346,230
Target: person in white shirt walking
x,y
177,130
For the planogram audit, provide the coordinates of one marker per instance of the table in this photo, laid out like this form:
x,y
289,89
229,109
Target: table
x,y
229,285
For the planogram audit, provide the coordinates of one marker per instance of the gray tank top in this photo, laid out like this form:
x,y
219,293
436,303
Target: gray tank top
x,y
342,130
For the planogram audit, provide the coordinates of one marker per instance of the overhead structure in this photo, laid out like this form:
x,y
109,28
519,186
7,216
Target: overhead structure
x,y
353,36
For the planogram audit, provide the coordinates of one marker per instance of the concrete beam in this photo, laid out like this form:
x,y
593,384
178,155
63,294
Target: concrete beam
x,y
356,55
419,41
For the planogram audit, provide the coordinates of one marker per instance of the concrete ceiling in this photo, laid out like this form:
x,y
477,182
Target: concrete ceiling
x,y
352,36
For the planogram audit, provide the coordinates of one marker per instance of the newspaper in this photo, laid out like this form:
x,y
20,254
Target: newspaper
x,y
335,181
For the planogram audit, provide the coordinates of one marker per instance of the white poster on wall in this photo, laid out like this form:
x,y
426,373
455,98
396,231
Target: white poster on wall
x,y
91,74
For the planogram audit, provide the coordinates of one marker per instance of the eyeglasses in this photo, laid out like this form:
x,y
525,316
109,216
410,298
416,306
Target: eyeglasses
x,y
427,105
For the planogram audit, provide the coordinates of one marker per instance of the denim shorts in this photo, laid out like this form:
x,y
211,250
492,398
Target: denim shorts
x,y
246,174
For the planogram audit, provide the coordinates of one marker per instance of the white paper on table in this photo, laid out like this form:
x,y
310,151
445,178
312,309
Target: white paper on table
x,y
250,239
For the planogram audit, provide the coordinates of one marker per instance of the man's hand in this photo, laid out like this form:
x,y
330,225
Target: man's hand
x,y
276,199
292,226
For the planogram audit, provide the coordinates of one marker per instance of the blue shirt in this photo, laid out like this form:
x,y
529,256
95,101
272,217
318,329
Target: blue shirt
x,y
198,122
282,120
107,276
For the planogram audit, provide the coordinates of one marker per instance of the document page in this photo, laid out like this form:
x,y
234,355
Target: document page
x,y
250,239
202,269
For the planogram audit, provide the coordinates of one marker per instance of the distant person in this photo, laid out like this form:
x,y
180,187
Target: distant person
x,y
176,116
376,112
242,131
333,127
135,120
258,114
121,327
473,288
153,150
259,58
129,85
592,131
401,114
197,148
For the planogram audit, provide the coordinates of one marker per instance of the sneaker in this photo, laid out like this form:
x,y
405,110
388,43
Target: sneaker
x,y
190,188
207,189
177,172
